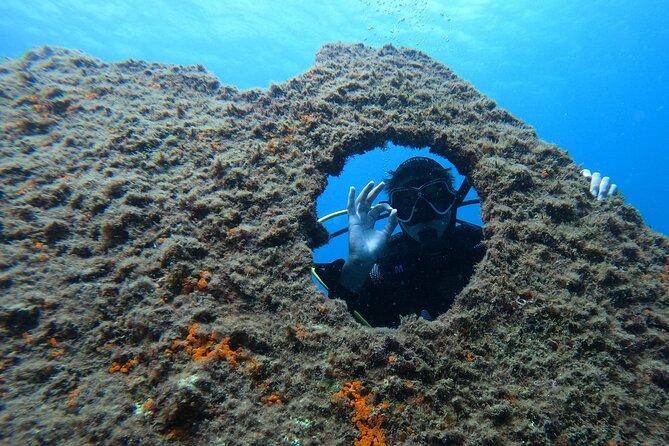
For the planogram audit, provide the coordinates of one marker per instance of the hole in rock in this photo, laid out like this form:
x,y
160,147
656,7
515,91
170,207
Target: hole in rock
x,y
433,249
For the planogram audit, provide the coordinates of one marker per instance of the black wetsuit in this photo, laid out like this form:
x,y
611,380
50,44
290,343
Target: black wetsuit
x,y
410,277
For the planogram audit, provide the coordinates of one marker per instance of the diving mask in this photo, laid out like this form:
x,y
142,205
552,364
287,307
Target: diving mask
x,y
438,194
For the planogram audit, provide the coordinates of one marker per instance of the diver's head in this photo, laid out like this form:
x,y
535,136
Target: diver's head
x,y
422,192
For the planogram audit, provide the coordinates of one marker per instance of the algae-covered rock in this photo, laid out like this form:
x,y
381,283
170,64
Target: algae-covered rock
x,y
156,231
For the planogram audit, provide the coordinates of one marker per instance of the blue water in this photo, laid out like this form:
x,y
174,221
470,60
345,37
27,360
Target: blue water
x,y
590,76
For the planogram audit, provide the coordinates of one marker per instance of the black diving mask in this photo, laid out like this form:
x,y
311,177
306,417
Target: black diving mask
x,y
438,194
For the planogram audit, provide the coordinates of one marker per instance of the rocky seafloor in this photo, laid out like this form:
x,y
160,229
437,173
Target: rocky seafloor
x,y
156,233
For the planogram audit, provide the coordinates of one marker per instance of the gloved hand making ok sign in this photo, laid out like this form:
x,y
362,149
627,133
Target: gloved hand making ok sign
x,y
365,244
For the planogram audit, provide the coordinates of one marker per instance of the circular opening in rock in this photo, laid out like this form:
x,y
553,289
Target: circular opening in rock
x,y
431,254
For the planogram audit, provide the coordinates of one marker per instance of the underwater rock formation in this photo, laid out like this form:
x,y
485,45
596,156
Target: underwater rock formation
x,y
156,238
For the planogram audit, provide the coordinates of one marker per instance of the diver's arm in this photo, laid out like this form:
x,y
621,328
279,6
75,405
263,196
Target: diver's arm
x,y
600,187
365,244
354,274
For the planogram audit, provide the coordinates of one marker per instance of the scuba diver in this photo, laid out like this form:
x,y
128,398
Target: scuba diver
x,y
421,269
